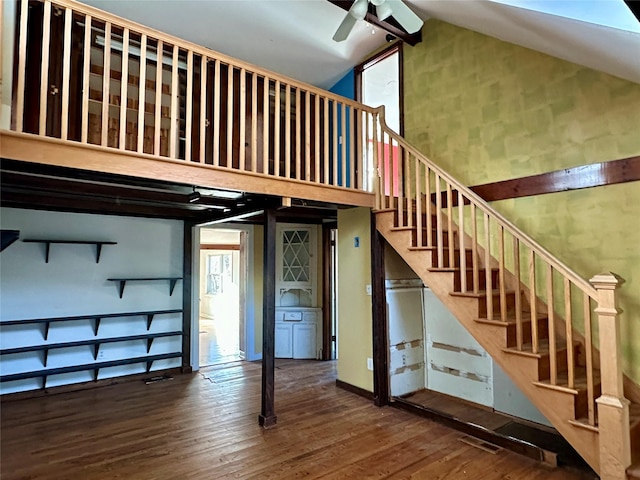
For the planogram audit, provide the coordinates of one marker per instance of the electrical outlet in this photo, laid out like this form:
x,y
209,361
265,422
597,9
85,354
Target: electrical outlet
x,y
368,289
370,363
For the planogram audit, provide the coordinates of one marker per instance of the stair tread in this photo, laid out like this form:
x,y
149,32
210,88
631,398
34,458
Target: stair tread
x,y
579,380
584,423
480,294
543,348
511,320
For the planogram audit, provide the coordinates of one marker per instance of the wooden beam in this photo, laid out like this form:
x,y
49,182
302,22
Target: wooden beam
x,y
327,286
381,392
267,416
51,151
389,25
187,274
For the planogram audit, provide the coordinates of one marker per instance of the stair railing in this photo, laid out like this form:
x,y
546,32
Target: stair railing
x,y
80,77
462,230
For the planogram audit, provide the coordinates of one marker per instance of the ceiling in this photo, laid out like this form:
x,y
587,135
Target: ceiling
x,y
293,37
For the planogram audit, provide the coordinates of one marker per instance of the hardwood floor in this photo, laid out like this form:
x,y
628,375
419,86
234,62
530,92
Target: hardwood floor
x,y
205,426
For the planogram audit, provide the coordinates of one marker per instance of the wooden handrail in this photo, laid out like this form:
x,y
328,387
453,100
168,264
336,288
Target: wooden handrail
x,y
101,15
482,205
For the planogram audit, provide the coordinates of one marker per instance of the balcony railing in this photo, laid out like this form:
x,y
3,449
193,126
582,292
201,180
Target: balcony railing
x,y
83,75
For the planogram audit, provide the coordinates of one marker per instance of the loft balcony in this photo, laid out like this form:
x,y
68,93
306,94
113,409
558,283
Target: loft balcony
x,y
95,92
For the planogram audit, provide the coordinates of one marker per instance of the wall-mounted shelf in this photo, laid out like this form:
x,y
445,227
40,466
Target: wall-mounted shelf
x,y
95,318
8,237
97,243
148,359
123,282
149,337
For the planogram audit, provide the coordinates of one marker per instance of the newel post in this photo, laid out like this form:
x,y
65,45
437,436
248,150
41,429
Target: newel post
x,y
613,407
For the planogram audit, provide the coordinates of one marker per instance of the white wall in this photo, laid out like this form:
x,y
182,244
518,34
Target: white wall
x,y
72,284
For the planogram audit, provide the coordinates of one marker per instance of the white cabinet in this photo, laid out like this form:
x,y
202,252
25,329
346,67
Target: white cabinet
x,y
296,264
297,333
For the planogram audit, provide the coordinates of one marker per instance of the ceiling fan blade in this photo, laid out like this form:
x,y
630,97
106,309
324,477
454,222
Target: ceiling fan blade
x,y
345,28
405,17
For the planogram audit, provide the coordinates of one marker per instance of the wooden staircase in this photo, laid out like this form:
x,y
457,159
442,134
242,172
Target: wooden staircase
x,y
531,313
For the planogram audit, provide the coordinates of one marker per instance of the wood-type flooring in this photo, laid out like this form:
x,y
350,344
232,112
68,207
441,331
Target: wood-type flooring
x,y
205,426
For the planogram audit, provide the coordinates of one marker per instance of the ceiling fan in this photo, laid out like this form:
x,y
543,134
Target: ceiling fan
x,y
384,8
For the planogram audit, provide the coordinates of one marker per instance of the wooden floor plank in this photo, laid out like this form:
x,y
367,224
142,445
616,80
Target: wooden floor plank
x,y
205,425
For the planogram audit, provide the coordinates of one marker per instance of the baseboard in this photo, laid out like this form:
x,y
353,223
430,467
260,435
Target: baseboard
x,y
9,397
353,389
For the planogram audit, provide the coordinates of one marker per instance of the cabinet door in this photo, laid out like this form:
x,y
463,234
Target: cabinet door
x,y
304,341
284,340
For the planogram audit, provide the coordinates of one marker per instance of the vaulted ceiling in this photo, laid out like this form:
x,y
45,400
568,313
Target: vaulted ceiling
x,y
293,37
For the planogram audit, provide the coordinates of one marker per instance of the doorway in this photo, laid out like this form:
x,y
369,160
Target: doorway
x,y
222,291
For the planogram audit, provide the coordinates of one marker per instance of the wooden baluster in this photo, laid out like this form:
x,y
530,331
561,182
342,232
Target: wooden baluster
x,y
474,249
613,407
428,204
66,70
553,353
276,132
307,136
569,333
450,242
400,187
359,158
124,81
106,83
501,275
204,71
316,160
588,350
369,175
158,101
376,163
173,129
343,139
335,143
516,270
22,67
418,183
216,129
265,125
463,256
407,183
352,148
189,110
487,266
298,134
242,114
141,90
439,226
254,122
383,171
326,141
44,71
230,124
287,132
532,301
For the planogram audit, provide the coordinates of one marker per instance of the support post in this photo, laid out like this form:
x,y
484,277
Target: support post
x,y
187,273
381,391
267,416
613,407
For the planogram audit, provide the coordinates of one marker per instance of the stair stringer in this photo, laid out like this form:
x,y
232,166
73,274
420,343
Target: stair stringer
x,y
465,309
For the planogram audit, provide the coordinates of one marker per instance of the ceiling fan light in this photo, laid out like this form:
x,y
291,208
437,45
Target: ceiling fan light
x,y
384,11
359,9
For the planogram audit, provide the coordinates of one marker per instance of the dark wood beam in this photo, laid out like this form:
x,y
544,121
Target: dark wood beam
x,y
187,274
389,25
267,416
327,286
381,392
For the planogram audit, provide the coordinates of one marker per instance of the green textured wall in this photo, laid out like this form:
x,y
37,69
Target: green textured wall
x,y
487,110
355,337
